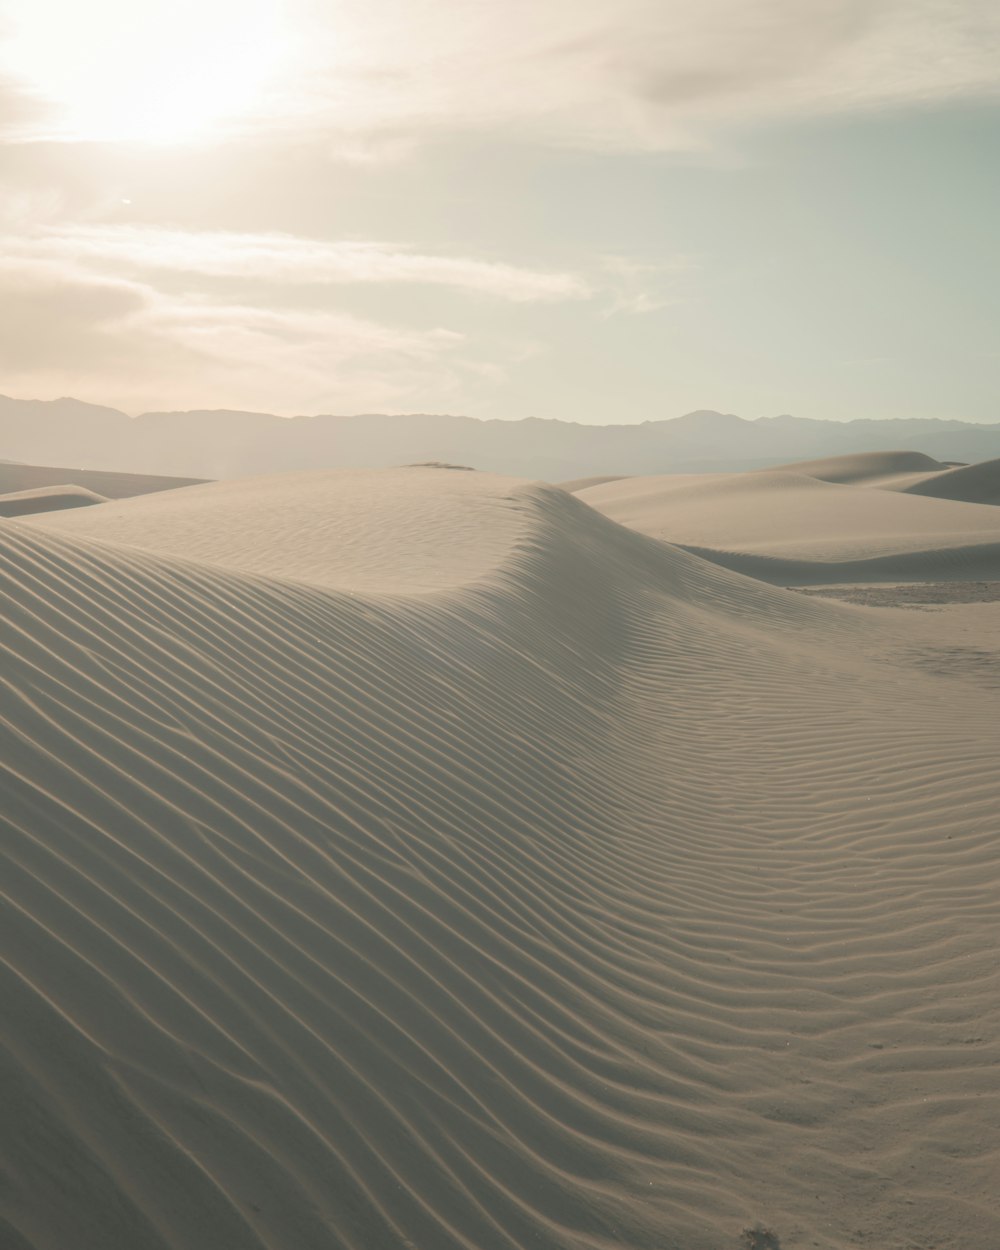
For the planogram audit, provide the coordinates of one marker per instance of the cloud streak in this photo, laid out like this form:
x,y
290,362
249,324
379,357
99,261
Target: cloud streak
x,y
152,315
284,258
63,330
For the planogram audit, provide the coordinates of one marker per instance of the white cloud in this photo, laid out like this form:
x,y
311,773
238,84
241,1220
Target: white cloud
x,y
151,316
63,330
639,74
284,258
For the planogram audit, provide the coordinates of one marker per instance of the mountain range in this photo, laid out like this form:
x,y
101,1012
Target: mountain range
x,y
225,444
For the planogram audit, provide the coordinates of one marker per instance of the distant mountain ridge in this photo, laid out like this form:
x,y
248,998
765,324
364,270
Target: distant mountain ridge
x,y
222,443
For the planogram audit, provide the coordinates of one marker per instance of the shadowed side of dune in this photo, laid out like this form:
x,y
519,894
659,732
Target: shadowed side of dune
x,y
967,562
971,483
558,909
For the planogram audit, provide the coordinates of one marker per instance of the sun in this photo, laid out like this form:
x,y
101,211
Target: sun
x,y
147,71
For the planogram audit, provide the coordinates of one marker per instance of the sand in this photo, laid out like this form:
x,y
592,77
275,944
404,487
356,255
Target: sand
x,y
46,499
406,530
973,483
850,519
871,468
910,594
20,477
422,859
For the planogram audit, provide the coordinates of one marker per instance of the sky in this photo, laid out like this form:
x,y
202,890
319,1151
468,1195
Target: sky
x,y
578,209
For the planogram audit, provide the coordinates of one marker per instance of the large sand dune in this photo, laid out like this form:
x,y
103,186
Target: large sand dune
x,y
396,530
586,895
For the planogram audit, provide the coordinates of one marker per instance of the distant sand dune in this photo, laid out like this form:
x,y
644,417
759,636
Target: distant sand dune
x,y
583,483
586,896
46,499
862,468
972,483
788,526
19,477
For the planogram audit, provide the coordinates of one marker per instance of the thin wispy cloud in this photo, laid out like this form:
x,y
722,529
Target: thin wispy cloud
x,y
158,307
284,258
145,347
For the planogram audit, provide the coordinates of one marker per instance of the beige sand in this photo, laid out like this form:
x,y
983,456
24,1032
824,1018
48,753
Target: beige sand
x,y
973,483
405,530
863,468
586,895
787,526
18,477
908,471
46,499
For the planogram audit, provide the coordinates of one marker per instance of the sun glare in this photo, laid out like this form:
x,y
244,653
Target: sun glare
x,y
157,71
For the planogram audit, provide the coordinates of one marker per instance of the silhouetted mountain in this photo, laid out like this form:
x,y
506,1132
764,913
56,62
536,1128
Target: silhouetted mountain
x,y
231,444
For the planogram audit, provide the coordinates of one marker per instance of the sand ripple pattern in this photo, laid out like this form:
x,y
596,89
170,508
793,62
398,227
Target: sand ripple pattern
x,y
610,900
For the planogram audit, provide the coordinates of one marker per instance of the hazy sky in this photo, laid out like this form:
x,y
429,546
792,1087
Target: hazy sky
x,y
600,210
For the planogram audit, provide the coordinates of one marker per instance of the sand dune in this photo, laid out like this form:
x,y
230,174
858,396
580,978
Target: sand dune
x,y
47,499
863,467
19,477
575,485
404,530
907,471
971,483
593,896
793,528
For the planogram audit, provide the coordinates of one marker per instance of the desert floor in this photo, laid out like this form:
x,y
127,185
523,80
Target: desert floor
x,y
420,858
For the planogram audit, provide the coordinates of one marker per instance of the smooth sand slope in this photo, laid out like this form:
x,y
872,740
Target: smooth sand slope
x,y
863,468
403,530
46,499
908,471
790,527
973,483
20,477
586,895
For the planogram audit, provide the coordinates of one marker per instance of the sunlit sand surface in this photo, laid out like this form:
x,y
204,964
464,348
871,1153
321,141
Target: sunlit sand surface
x,y
865,518
424,859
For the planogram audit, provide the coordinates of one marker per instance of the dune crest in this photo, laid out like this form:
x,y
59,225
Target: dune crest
x,y
587,895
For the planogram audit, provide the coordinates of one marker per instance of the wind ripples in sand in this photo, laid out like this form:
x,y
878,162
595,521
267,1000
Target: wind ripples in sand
x,y
607,898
